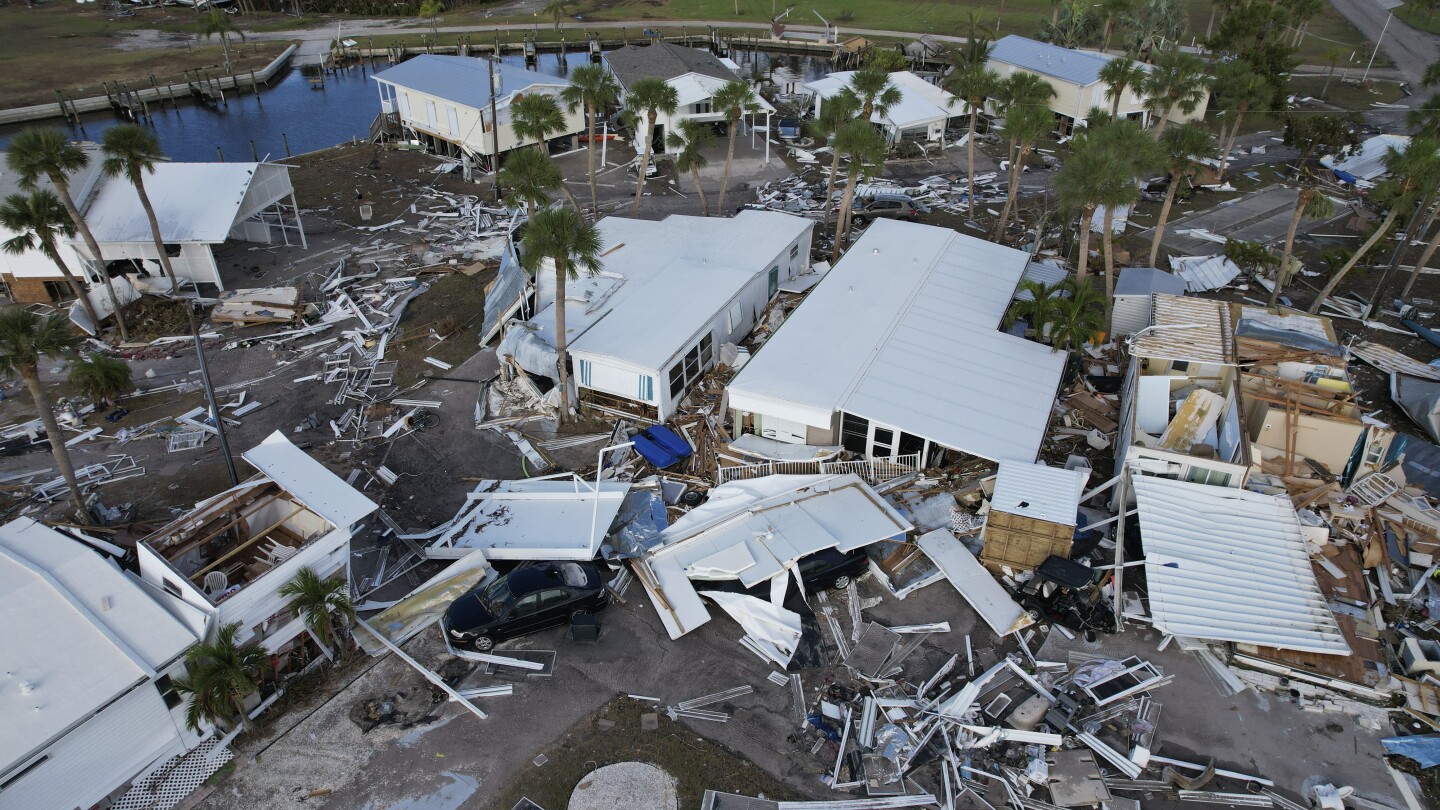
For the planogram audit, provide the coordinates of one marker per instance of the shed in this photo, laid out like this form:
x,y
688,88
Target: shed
x,y
1133,292
1032,515
1231,565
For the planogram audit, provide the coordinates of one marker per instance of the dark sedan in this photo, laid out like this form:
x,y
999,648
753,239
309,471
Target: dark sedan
x,y
534,596
820,571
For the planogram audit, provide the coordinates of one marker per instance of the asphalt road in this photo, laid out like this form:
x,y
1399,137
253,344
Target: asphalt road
x,y
1411,50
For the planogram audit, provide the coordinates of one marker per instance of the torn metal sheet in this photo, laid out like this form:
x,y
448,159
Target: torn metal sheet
x,y
560,517
974,583
1388,360
425,605
771,632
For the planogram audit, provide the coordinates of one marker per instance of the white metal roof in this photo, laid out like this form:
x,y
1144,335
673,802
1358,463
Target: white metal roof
x,y
77,633
322,491
1368,161
904,331
663,282
920,101
755,530
1231,565
464,80
1195,330
969,577
194,202
1203,273
1146,281
555,518
1051,494
1068,65
696,87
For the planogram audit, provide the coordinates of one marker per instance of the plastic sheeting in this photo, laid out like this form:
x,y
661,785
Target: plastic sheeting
x,y
1423,748
641,519
505,295
530,350
1419,399
1286,337
770,631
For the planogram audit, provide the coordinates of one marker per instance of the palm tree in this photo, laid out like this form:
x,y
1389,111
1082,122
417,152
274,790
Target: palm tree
x,y
1238,88
1119,75
46,153
688,140
1078,317
865,148
594,88
654,97
1037,310
556,10
566,239
1181,146
1177,79
39,221
1311,203
132,152
24,338
1425,120
217,23
1114,11
835,113
101,378
431,10
1023,99
1137,153
1080,185
877,95
221,674
1332,58
972,82
734,99
1425,257
530,176
1412,171
324,604
536,115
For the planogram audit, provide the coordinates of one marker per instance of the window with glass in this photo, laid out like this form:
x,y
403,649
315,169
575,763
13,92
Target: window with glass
x,y
1203,475
854,433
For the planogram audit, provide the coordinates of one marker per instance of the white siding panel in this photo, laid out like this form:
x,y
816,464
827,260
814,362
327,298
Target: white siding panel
x,y
613,379
104,753
261,599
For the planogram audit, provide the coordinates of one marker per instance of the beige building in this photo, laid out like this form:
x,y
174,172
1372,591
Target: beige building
x,y
445,103
1075,75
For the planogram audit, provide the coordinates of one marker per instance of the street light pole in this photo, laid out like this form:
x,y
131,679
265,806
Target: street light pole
x,y
210,395
1379,40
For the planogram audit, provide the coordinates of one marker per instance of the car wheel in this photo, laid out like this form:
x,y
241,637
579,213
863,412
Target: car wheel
x,y
860,221
841,582
484,643
907,219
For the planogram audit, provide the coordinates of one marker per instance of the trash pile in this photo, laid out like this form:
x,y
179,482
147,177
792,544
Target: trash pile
x,y
804,193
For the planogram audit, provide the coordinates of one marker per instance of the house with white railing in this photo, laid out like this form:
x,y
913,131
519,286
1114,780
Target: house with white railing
x,y
897,352
232,554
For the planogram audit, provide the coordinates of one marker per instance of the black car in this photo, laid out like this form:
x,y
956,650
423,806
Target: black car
x,y
534,596
820,571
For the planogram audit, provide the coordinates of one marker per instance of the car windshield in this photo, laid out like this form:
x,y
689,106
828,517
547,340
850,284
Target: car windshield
x,y
495,597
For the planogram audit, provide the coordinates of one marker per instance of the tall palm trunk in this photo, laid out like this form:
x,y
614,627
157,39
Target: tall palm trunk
x,y
1107,244
238,707
75,287
1420,263
30,373
970,154
1230,144
842,222
562,358
645,162
1115,102
1160,125
1164,217
225,44
1210,26
1355,259
695,175
1017,168
155,232
590,143
62,190
730,157
1281,275
1083,262
829,187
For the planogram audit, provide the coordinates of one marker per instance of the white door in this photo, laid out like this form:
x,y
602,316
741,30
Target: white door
x,y
430,114
454,120
781,430
404,101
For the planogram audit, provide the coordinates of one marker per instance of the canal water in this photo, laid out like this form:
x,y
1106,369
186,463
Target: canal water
x,y
312,118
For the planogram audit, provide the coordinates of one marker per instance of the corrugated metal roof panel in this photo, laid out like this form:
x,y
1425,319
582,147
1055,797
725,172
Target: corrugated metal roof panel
x,y
1077,67
1231,565
1196,330
1051,494
1203,273
1148,281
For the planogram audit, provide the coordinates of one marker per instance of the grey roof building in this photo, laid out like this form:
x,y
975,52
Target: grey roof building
x,y
663,61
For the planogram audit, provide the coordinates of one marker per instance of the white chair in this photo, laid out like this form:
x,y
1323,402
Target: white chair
x,y
216,582
279,553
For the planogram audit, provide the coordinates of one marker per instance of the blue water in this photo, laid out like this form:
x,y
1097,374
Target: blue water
x,y
315,118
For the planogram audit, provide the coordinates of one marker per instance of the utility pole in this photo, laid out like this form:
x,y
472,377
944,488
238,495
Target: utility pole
x,y
495,121
210,395
1378,40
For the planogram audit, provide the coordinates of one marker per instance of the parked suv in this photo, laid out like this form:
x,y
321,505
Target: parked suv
x,y
891,206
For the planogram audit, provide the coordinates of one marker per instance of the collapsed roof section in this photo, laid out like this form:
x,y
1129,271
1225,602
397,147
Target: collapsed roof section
x,y
753,531
1231,565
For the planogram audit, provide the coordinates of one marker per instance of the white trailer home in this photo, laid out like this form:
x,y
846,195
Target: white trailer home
x,y
87,664
923,112
670,294
897,354
444,102
230,556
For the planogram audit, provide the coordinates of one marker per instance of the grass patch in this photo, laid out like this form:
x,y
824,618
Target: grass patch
x,y
455,307
76,49
697,763
1418,18
1351,95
